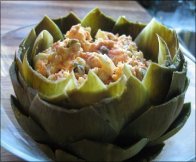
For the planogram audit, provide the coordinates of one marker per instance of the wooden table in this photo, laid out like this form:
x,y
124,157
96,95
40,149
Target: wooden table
x,y
20,13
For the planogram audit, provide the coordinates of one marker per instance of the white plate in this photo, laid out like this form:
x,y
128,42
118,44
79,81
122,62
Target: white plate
x,y
180,147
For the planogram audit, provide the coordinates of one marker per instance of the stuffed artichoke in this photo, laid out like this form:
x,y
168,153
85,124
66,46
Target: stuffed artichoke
x,y
100,90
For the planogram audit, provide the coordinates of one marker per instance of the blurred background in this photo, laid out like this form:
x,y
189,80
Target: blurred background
x,y
178,14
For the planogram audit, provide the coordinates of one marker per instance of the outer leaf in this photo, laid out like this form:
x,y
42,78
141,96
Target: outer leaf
x,y
61,155
47,151
123,26
179,61
164,57
94,151
39,82
43,41
180,104
147,41
177,84
29,125
47,24
27,43
18,89
92,90
154,122
147,154
65,23
65,126
131,103
97,20
58,154
177,124
157,81
62,98
116,89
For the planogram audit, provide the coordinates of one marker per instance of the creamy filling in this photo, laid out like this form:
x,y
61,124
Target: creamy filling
x,y
106,55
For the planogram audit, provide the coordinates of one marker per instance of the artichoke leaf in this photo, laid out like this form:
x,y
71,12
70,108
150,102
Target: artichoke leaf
x,y
123,26
65,23
176,125
62,97
177,84
92,90
127,70
27,44
164,57
155,121
68,125
180,104
39,82
147,154
97,20
30,91
47,151
116,89
43,41
147,41
131,103
157,82
47,24
18,61
95,151
28,124
179,61
18,89
61,155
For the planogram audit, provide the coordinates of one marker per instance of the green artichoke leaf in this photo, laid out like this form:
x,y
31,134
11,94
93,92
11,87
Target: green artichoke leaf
x,y
177,84
77,97
97,20
28,124
123,26
39,82
181,100
30,91
147,41
92,90
62,97
69,125
120,110
176,125
18,89
27,44
157,82
116,89
65,23
179,61
127,70
147,154
164,57
43,41
61,155
47,24
96,151
155,121
47,151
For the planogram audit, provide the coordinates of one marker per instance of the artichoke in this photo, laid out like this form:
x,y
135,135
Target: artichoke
x,y
125,120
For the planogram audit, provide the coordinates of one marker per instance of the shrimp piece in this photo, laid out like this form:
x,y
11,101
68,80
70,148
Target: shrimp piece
x,y
91,59
117,73
118,56
40,66
80,33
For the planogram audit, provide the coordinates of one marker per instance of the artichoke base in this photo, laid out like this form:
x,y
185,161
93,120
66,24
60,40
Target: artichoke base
x,y
58,153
